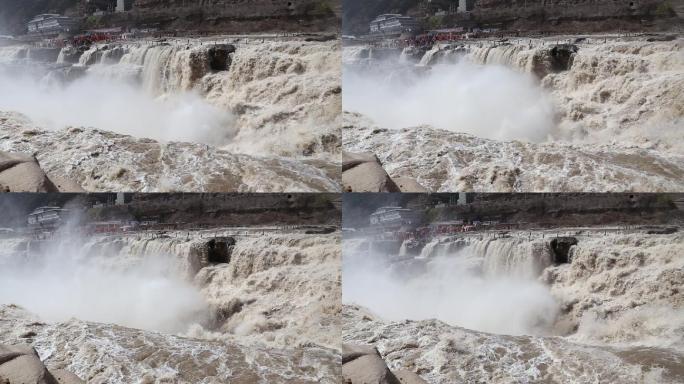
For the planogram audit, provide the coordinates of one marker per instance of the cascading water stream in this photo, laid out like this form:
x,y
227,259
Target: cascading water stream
x,y
121,281
472,282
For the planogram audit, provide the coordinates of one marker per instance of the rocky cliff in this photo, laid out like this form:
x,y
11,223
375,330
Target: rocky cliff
x,y
230,16
526,15
227,16
562,15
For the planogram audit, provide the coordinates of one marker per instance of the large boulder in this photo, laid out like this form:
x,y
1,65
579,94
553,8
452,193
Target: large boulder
x,y
362,172
21,365
354,351
409,185
65,377
408,377
368,369
351,160
9,352
22,173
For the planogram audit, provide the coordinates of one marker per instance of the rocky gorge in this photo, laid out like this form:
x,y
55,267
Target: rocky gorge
x,y
242,110
593,305
592,113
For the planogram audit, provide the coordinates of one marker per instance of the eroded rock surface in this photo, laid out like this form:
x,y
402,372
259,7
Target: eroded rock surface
x,y
22,173
105,161
363,172
102,353
21,364
363,364
443,354
444,161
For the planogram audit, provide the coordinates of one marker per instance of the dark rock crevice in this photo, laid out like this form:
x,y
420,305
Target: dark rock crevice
x,y
560,247
219,250
219,57
562,57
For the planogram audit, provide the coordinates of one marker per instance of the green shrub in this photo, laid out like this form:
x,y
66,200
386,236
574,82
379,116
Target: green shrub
x,y
665,9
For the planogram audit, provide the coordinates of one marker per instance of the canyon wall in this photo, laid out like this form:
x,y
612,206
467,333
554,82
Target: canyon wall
x,y
233,16
576,15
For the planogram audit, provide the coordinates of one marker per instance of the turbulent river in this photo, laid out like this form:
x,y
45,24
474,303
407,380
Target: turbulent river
x,y
142,309
227,114
596,114
482,308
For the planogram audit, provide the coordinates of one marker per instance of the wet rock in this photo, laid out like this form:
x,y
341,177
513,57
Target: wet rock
x,y
362,172
71,55
22,173
215,251
74,73
408,377
65,377
368,177
21,365
556,59
225,311
220,249
407,184
28,335
353,351
368,369
562,56
662,231
66,185
113,55
321,38
67,74
9,352
351,160
561,248
382,53
219,56
320,230
93,58
364,53
198,67
26,369
46,55
413,54
662,38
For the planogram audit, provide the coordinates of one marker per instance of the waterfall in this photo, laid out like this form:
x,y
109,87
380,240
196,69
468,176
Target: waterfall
x,y
13,53
513,257
161,68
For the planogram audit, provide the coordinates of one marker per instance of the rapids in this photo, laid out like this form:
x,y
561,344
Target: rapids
x,y
606,104
268,309
613,313
256,100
